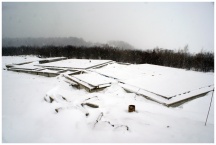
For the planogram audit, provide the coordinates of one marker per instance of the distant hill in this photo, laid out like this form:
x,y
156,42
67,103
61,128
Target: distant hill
x,y
60,41
120,44
56,41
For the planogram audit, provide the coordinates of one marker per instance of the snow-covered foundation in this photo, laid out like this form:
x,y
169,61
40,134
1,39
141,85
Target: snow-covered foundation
x,y
29,115
164,85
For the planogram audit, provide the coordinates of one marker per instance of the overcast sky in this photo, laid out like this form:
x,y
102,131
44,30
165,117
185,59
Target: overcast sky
x,y
143,25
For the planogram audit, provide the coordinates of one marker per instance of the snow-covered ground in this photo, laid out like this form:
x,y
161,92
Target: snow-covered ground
x,y
27,117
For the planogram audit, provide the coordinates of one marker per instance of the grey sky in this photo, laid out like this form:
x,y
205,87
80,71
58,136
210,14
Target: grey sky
x,y
144,25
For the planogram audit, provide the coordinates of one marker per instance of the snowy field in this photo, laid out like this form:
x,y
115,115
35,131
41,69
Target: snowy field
x,y
28,117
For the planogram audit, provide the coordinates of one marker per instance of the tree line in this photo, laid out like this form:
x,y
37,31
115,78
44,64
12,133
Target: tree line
x,y
202,61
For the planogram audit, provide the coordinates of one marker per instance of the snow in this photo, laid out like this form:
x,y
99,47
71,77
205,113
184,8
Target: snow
x,y
75,63
53,58
94,78
29,66
171,101
28,118
49,71
165,81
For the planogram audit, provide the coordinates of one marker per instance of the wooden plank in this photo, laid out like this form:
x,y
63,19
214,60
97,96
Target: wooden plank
x,y
105,63
71,82
187,96
164,101
109,61
51,60
9,65
104,85
79,82
47,74
144,93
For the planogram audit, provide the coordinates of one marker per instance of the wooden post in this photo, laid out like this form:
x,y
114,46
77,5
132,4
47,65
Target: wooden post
x,y
131,108
209,107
